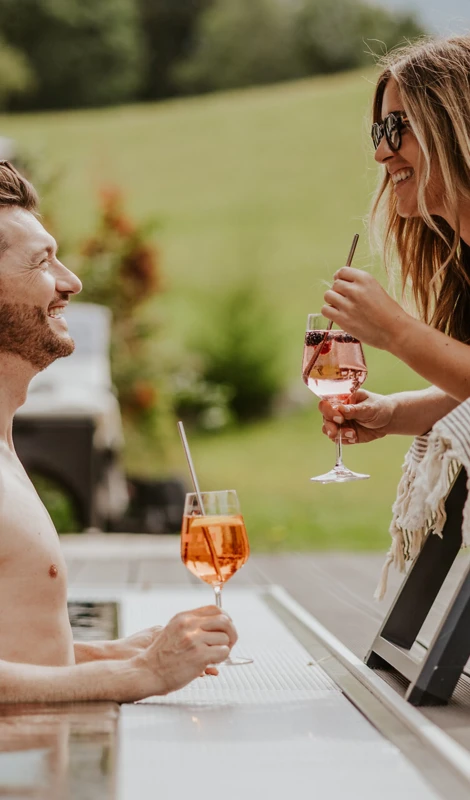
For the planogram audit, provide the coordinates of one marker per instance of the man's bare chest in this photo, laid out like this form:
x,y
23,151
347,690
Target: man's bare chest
x,y
28,540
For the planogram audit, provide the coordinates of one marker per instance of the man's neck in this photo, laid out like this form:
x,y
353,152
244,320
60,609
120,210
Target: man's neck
x,y
15,377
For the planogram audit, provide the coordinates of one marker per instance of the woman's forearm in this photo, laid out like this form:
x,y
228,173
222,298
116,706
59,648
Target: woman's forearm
x,y
442,361
414,413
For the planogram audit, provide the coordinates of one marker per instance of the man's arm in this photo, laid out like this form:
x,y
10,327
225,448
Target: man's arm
x,y
116,649
121,681
185,647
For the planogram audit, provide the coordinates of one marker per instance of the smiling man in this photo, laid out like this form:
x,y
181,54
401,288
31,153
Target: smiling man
x,y
39,661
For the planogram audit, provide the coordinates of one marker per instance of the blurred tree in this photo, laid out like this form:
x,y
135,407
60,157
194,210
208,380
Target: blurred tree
x,y
16,75
120,268
346,33
240,43
245,42
82,52
168,28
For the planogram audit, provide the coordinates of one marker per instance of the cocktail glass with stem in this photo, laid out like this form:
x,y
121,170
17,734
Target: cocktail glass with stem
x,y
214,545
333,368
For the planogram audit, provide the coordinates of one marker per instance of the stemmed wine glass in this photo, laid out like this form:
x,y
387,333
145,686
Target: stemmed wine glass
x,y
333,368
214,545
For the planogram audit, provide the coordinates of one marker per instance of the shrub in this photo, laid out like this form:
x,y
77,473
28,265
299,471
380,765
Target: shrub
x,y
200,403
242,351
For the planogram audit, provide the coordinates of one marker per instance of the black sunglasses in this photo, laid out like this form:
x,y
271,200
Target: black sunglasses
x,y
391,127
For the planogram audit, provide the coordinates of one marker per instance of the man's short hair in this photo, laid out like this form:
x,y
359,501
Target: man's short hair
x,y
15,190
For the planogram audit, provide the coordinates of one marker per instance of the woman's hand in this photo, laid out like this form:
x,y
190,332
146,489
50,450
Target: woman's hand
x,y
367,418
359,305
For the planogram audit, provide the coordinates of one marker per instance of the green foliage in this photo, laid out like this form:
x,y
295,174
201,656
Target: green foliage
x,y
200,403
241,351
16,75
346,33
240,43
168,32
82,52
245,42
58,503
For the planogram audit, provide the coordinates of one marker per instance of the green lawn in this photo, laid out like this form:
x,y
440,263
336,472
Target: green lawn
x,y
273,181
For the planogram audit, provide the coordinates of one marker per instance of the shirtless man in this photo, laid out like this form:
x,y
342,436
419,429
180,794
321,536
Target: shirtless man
x,y
39,662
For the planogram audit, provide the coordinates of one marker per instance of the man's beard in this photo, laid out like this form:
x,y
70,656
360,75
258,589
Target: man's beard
x,y
25,332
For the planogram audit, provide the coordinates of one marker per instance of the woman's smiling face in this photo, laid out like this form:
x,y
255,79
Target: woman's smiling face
x,y
405,165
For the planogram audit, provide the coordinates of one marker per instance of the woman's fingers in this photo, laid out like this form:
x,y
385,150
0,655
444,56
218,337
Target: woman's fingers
x,y
331,430
352,275
336,299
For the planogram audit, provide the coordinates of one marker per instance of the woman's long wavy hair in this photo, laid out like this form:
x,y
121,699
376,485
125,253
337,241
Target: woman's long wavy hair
x,y
433,78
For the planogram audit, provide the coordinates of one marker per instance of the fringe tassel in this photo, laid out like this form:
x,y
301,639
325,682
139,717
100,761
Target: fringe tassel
x,y
420,505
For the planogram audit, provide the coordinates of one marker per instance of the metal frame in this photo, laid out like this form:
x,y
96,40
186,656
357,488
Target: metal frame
x,y
434,677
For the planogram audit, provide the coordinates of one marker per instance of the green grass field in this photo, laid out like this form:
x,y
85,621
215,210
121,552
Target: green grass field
x,y
273,181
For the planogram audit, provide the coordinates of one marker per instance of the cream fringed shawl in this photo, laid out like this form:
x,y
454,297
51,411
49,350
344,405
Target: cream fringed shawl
x,y
431,466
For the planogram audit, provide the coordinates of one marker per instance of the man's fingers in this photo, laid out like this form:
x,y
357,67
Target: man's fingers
x,y
215,655
217,638
221,624
205,611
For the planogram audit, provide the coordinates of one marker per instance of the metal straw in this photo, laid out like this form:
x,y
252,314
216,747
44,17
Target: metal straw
x,y
319,347
191,466
205,532
348,264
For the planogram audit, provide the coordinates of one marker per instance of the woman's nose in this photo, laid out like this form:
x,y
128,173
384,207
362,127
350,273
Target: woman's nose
x,y
383,151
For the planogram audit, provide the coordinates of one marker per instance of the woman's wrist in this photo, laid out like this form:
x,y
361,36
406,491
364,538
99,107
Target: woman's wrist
x,y
402,330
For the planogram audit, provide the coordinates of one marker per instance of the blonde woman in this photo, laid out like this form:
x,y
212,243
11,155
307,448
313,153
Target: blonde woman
x,y
421,134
